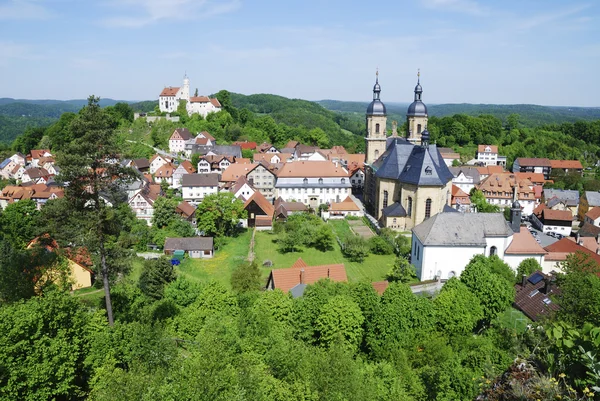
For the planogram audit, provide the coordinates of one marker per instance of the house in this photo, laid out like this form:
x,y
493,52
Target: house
x,y
178,139
561,199
260,212
203,105
6,168
36,175
169,98
535,178
185,167
266,148
187,212
487,155
194,187
312,182
465,178
499,190
284,209
566,166
339,210
142,164
271,157
165,174
142,203
532,296
486,171
19,158
460,200
593,216
35,155
245,145
357,177
242,189
305,152
299,275
549,220
214,163
589,200
560,250
157,161
195,247
523,246
39,193
450,157
445,243
533,165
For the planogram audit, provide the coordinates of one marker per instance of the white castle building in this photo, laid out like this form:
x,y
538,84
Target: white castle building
x,y
169,99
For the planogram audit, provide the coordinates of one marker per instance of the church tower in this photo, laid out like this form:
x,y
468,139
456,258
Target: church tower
x,y
376,125
416,116
185,89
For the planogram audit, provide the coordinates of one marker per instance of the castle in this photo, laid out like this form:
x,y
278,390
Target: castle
x,y
169,99
406,179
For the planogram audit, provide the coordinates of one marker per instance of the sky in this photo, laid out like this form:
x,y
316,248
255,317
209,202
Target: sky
x,y
543,52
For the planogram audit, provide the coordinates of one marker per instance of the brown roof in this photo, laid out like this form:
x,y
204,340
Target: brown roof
x,y
312,169
488,170
535,178
459,195
185,209
347,205
243,160
493,148
533,161
562,215
500,186
184,133
237,170
588,230
575,164
590,243
593,213
246,145
38,153
291,144
170,91
141,164
205,134
531,298
524,243
560,249
188,166
200,180
37,172
199,99
165,171
215,102
262,202
286,279
380,286
263,221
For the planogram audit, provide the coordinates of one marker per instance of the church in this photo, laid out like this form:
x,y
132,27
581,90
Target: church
x,y
406,179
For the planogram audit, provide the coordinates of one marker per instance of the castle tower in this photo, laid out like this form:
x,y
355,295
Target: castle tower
x,y
185,89
416,116
376,125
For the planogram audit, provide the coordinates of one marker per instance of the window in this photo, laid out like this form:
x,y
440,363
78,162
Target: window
x,y
418,128
320,181
376,154
409,207
343,180
385,199
377,128
428,208
305,181
428,170
493,251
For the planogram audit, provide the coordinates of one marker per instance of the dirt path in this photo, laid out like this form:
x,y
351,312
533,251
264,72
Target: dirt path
x,y
360,228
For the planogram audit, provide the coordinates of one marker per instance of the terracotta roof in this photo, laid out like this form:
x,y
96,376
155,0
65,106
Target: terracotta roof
x,y
215,102
531,298
524,243
493,148
458,195
286,279
258,157
500,186
170,91
165,171
263,221
562,215
488,170
246,145
243,160
450,156
533,162
299,264
590,243
536,178
262,202
538,190
593,213
456,191
588,230
38,153
199,99
188,166
311,169
236,170
347,205
560,249
202,141
205,134
575,164
380,286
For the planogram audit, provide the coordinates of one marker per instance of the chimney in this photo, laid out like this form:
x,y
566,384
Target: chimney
x,y
524,280
327,272
546,288
597,238
301,276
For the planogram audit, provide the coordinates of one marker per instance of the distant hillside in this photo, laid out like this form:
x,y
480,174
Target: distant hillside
x,y
531,115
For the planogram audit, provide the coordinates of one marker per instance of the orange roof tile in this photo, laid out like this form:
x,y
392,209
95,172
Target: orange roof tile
x,y
593,213
170,91
590,243
561,248
165,171
493,148
299,264
236,170
536,178
312,169
199,99
574,164
286,279
564,215
347,205
262,202
188,166
380,286
524,243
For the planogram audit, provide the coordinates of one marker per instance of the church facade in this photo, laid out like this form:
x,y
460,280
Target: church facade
x,y
407,180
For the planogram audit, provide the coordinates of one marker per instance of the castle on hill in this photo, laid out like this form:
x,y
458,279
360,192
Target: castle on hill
x,y
169,99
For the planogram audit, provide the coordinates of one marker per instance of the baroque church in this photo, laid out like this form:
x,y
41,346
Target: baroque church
x,y
406,179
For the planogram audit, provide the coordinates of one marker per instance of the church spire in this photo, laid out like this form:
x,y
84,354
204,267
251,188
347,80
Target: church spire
x,y
418,88
376,88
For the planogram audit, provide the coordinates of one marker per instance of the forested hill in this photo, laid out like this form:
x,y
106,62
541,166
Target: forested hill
x,y
530,115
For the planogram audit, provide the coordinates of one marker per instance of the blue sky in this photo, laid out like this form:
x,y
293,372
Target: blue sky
x,y
469,51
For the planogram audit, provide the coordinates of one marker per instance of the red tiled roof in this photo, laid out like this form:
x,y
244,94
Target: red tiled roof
x,y
188,166
246,145
536,178
380,286
347,205
524,243
593,213
215,102
300,263
562,215
199,99
185,209
561,248
493,148
312,169
533,162
575,164
286,279
262,202
170,91
530,298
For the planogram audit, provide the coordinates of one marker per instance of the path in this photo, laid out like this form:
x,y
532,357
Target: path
x,y
89,293
359,227
251,254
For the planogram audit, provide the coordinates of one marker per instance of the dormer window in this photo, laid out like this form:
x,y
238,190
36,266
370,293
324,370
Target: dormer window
x,y
343,180
320,181
428,170
305,181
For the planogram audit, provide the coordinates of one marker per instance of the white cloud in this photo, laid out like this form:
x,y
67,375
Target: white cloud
x,y
24,9
145,12
462,6
546,18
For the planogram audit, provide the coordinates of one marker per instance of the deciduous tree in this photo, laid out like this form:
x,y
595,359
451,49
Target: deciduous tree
x,y
219,214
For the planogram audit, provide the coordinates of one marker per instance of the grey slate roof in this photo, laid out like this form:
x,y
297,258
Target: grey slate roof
x,y
467,171
593,198
462,229
5,163
394,210
200,180
298,290
570,197
189,244
412,164
227,150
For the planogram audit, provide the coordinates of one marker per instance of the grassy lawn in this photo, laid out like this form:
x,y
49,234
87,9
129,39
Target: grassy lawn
x,y
373,268
220,267
514,319
341,228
